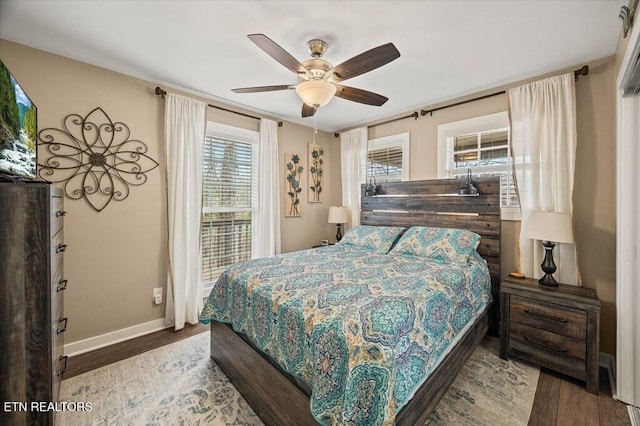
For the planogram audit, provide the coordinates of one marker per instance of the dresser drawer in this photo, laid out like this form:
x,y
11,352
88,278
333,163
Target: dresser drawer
x,y
558,319
58,247
57,214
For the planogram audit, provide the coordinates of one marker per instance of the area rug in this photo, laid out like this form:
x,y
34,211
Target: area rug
x,y
178,384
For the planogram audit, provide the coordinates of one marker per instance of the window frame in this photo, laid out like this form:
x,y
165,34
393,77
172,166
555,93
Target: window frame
x,y
480,124
240,135
402,140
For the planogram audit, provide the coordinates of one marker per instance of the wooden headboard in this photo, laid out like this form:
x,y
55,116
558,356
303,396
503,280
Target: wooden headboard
x,y
437,203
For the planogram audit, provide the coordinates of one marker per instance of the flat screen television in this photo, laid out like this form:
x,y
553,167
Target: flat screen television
x,y
18,129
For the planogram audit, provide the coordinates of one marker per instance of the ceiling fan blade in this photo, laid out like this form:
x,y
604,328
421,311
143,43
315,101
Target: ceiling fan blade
x,y
359,95
274,50
365,62
307,111
263,88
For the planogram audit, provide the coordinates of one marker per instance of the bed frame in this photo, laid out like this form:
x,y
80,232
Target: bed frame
x,y
276,397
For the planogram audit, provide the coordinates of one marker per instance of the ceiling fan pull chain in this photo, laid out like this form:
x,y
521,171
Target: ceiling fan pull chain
x,y
315,127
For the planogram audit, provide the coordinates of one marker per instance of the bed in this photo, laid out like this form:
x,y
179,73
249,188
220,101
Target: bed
x,y
374,329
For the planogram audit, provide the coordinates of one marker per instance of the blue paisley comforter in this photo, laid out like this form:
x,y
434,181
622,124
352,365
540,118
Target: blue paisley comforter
x,y
363,329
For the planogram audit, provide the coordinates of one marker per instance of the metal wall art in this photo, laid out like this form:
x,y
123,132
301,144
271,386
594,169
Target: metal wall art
x,y
293,187
94,157
316,165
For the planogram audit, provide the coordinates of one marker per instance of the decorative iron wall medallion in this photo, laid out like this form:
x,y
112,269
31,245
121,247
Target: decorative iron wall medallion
x,y
94,157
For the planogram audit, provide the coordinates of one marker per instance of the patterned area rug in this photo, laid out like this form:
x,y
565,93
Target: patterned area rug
x,y
178,384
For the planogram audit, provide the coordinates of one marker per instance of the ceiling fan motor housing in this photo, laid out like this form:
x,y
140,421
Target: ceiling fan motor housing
x,y
316,69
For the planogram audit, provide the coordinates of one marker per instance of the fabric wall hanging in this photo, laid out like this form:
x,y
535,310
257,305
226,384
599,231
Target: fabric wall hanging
x,y
315,170
292,186
94,157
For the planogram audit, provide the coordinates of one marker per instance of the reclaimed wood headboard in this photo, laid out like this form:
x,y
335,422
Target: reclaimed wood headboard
x,y
437,203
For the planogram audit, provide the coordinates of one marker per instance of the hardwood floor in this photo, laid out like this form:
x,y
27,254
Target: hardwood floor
x,y
563,401
100,357
559,400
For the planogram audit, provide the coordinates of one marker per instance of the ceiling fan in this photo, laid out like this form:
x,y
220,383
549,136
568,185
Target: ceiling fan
x,y
317,78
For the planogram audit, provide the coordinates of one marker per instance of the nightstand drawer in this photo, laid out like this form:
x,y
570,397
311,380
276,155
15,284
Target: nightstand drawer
x,y
537,340
558,319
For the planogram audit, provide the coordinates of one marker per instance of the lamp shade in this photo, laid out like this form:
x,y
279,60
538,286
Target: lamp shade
x,y
316,93
549,226
338,214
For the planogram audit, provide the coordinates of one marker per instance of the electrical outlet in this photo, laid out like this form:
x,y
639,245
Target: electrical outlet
x,y
157,295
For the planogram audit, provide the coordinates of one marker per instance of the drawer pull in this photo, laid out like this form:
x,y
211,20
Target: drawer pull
x,y
61,248
539,315
64,327
64,358
60,213
542,345
62,285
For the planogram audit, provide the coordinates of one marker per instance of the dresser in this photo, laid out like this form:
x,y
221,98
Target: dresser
x,y
32,286
555,327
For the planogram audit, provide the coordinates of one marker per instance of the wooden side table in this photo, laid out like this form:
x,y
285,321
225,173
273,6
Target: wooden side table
x,y
555,327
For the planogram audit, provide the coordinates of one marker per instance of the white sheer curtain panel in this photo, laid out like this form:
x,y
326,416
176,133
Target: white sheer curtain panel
x,y
543,136
267,242
353,162
184,130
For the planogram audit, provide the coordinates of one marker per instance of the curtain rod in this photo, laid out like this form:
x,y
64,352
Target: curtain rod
x,y
413,115
581,71
162,92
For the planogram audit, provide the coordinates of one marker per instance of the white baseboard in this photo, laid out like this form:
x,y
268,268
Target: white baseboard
x,y
97,342
608,362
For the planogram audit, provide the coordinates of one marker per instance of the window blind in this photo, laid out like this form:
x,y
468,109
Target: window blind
x,y
486,154
229,198
385,164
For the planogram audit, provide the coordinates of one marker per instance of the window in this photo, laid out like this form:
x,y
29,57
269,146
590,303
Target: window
x,y
388,158
482,144
229,199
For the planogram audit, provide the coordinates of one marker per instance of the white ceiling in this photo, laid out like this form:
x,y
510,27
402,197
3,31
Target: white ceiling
x,y
448,48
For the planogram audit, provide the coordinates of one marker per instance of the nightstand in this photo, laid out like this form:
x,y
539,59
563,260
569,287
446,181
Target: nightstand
x,y
555,327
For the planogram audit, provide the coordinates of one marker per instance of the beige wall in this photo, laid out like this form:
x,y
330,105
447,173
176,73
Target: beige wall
x,y
116,257
594,190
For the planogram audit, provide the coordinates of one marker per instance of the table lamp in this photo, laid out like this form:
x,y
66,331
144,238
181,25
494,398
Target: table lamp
x,y
338,215
550,228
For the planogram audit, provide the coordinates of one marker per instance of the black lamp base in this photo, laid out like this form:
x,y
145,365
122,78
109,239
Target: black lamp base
x,y
339,234
548,280
548,266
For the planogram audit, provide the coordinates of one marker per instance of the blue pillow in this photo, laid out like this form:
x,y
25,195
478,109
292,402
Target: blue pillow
x,y
440,245
377,239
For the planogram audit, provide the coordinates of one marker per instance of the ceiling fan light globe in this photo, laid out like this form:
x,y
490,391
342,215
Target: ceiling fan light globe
x,y
316,93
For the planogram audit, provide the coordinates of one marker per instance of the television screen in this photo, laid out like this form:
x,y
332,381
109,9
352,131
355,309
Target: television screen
x,y
18,128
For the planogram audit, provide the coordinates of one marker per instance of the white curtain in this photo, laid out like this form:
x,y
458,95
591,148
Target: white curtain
x,y
184,130
353,161
543,134
267,242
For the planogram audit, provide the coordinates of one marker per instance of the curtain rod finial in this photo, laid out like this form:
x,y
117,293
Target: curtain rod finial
x,y
160,92
582,71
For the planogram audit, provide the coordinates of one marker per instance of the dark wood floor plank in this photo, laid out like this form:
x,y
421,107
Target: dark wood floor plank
x,y
612,413
576,406
545,404
100,357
